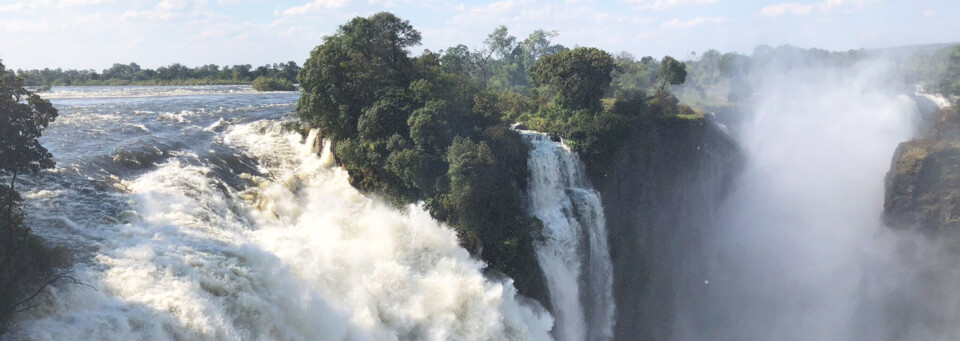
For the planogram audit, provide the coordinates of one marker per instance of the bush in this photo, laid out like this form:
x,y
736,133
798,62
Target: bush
x,y
272,84
26,262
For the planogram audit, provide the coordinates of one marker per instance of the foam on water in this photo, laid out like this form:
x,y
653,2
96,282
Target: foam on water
x,y
64,92
300,256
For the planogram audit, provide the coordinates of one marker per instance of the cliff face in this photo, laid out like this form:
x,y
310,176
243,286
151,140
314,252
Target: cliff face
x,y
923,185
660,196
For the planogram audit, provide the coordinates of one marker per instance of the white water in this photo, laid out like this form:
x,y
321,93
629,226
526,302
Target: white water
x,y
301,256
59,92
574,255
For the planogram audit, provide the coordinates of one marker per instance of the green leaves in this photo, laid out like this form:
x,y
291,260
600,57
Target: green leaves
x,y
272,84
23,256
579,76
23,118
950,79
412,129
672,72
344,74
429,128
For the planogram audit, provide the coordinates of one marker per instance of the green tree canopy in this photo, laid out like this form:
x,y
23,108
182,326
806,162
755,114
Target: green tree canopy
x,y
950,78
24,259
672,72
579,76
346,72
23,117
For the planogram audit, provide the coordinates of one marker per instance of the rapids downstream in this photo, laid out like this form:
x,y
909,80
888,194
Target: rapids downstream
x,y
196,215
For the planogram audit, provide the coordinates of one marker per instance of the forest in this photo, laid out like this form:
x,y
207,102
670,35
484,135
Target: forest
x,y
173,74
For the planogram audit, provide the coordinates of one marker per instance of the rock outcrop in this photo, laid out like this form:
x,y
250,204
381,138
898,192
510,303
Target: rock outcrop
x,y
923,185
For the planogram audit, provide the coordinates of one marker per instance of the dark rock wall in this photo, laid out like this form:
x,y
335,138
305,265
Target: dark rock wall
x,y
660,198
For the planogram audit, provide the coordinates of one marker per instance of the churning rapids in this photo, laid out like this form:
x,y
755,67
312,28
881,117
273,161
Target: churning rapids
x,y
196,215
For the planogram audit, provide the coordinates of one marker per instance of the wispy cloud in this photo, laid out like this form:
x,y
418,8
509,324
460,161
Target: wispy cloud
x,y
828,6
49,5
12,7
315,6
171,10
682,24
659,5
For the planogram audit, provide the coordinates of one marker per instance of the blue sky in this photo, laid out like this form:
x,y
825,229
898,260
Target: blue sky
x,y
97,33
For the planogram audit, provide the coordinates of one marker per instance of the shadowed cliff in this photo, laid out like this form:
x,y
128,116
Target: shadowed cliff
x,y
660,196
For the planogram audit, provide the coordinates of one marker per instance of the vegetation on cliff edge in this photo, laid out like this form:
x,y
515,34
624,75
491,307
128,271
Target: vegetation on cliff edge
x,y
415,129
27,264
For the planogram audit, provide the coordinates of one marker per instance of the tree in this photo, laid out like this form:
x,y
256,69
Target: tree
x,y
672,72
456,60
950,78
501,42
580,76
24,259
538,45
344,75
23,117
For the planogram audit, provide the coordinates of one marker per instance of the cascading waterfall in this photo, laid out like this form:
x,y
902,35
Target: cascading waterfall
x,y
574,254
289,252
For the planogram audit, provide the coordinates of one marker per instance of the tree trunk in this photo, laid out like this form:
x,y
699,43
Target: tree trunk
x,y
10,227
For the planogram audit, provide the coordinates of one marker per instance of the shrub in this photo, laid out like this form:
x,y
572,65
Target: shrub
x,y
272,84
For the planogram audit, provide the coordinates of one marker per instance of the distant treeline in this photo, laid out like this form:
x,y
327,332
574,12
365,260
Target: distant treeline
x,y
725,78
175,74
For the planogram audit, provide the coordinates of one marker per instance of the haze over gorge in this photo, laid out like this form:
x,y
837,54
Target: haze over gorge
x,y
375,186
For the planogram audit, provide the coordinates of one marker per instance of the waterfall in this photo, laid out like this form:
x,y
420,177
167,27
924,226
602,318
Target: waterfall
x,y
574,254
293,253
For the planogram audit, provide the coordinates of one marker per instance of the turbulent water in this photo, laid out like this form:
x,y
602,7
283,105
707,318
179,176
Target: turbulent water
x,y
196,215
574,254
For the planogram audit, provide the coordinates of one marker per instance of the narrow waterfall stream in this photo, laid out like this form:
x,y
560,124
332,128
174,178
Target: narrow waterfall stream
x,y
574,254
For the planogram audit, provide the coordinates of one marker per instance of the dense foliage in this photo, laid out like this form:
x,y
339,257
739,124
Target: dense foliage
x,y
435,128
421,129
272,84
593,130
26,263
950,79
579,76
174,74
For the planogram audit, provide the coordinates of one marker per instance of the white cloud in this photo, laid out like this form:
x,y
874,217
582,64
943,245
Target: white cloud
x,y
658,5
12,7
315,6
929,13
50,5
15,26
170,10
681,24
827,6
492,12
78,3
784,8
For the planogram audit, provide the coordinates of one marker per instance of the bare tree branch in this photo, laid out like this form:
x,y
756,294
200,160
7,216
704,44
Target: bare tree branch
x,y
49,282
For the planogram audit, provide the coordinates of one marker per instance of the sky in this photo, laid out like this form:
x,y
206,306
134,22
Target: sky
x,y
94,34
